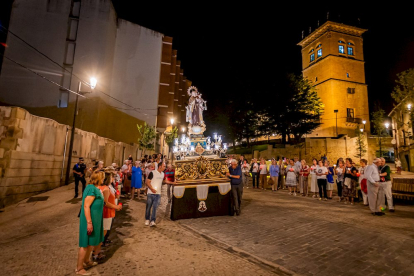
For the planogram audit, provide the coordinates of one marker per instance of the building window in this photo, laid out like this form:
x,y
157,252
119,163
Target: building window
x,y
341,49
311,51
319,52
350,113
73,29
316,79
319,46
75,8
347,75
350,51
351,90
312,57
350,43
340,41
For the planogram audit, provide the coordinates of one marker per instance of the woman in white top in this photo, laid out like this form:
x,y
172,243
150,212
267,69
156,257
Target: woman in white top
x,y
263,174
314,182
255,173
291,177
321,173
245,167
340,171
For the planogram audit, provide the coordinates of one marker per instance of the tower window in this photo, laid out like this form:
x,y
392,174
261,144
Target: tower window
x,y
351,90
350,113
319,46
350,43
312,57
347,75
316,79
350,51
340,41
319,52
341,49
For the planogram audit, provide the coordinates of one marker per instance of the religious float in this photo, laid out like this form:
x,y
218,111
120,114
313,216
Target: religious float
x,y
202,188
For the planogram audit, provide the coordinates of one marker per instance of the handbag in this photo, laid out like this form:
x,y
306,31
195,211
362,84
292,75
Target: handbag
x,y
347,182
364,187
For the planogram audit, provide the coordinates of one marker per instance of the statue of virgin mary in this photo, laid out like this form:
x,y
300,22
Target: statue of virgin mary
x,y
196,106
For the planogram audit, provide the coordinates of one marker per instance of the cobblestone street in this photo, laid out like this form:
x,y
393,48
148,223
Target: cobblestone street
x,y
276,234
312,237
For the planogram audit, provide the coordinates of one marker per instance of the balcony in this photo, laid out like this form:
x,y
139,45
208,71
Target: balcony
x,y
354,120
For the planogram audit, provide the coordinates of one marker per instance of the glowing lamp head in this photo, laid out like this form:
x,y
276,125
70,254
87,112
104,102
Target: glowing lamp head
x,y
364,122
387,125
93,82
361,129
172,121
409,106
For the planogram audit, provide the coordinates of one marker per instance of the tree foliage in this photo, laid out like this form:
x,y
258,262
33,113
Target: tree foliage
x,y
295,111
169,137
147,137
361,147
405,86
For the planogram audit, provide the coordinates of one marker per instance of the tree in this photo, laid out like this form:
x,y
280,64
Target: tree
x,y
378,123
404,90
147,137
360,144
169,137
296,111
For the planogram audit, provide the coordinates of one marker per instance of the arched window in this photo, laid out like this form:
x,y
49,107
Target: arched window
x,y
351,48
341,46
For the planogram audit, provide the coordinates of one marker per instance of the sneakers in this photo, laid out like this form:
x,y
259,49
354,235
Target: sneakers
x,y
152,224
320,198
325,199
147,223
294,194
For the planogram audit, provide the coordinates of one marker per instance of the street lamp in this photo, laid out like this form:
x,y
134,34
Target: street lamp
x,y
387,125
364,122
92,84
183,129
409,106
361,129
172,121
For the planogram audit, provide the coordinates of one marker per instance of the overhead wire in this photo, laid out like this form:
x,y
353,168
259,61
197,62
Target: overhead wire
x,y
136,109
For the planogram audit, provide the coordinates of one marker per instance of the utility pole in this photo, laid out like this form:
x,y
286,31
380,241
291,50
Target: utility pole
x,y
72,134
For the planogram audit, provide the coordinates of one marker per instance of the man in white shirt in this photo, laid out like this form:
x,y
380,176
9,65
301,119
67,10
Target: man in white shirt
x,y
371,174
154,183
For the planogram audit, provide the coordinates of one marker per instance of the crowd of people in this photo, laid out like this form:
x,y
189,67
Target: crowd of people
x,y
371,182
145,177
100,199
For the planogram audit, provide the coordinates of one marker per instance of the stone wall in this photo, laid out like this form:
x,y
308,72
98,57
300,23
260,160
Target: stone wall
x,y
32,158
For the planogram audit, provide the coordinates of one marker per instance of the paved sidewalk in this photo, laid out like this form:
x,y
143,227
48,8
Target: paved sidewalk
x,y
312,237
41,238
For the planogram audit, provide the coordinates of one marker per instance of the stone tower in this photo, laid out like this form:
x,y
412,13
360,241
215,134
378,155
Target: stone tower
x,y
333,59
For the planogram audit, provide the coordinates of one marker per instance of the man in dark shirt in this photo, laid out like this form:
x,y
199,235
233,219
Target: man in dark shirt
x,y
79,171
235,175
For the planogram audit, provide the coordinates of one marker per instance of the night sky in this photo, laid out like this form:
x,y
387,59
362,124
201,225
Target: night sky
x,y
232,52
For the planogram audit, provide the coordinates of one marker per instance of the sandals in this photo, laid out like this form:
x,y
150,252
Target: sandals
x,y
89,264
80,273
98,257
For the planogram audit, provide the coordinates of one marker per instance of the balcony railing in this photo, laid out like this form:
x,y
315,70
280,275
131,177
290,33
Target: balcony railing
x,y
354,120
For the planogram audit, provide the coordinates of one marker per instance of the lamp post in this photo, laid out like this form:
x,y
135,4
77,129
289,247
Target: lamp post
x,y
364,122
336,121
92,85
